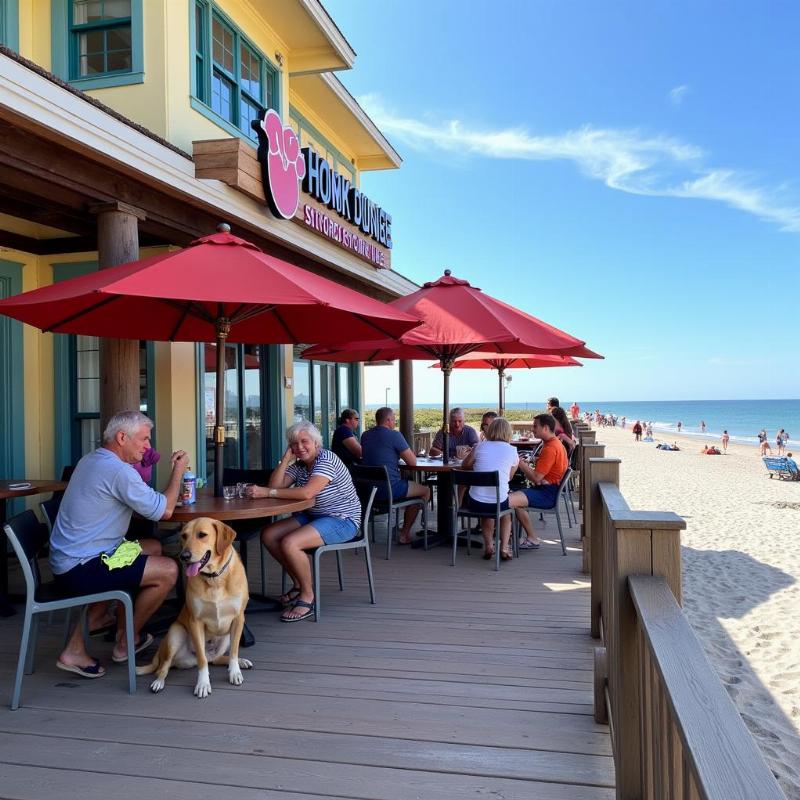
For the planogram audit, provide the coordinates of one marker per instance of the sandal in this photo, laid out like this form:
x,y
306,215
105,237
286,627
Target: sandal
x,y
290,596
527,544
144,642
299,604
505,555
93,670
488,555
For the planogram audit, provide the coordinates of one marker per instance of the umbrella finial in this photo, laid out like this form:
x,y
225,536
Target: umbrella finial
x,y
223,227
447,273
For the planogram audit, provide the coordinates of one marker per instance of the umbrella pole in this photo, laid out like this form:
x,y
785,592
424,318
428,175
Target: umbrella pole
x,y
447,368
501,403
223,329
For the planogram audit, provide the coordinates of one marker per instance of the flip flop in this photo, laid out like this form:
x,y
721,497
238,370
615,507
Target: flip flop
x,y
144,642
290,596
94,670
529,545
302,604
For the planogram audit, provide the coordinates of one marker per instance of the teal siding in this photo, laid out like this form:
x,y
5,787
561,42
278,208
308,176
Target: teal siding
x,y
9,23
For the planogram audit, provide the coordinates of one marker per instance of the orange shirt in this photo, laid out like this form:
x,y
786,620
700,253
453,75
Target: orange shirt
x,y
552,461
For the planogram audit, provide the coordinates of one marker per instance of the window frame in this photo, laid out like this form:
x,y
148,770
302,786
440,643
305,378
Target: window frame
x,y
201,84
9,23
63,50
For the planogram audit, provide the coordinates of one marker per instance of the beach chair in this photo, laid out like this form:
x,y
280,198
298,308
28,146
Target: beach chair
x,y
783,467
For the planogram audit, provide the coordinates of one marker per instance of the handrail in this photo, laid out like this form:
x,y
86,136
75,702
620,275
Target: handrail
x,y
674,731
715,756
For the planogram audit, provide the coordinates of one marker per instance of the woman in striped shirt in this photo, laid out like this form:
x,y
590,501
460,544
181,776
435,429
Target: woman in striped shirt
x,y
316,474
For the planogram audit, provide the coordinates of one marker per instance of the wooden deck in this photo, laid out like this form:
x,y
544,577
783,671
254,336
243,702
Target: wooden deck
x,y
460,683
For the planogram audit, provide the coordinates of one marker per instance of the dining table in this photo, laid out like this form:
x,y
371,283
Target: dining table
x,y
444,502
10,489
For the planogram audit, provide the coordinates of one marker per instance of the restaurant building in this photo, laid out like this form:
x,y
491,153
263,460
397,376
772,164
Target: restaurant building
x,y
126,130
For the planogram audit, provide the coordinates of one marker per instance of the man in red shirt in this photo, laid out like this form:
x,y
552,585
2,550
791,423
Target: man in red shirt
x,y
575,410
545,476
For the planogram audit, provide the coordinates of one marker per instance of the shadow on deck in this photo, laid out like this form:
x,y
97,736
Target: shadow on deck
x,y
460,683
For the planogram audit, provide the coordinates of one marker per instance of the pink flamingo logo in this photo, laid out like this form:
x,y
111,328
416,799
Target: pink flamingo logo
x,y
285,165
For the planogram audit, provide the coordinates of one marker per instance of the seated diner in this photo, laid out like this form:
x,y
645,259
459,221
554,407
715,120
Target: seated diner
x,y
308,471
459,435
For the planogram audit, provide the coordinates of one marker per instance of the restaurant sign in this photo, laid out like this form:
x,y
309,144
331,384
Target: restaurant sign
x,y
362,227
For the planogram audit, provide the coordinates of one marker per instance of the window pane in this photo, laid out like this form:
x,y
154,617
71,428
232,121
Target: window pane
x,y
116,9
221,96
119,38
250,72
249,111
344,387
199,29
318,388
87,11
231,449
90,435
252,408
331,410
302,390
87,374
143,400
223,45
119,61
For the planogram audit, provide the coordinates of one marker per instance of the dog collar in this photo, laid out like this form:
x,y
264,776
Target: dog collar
x,y
217,574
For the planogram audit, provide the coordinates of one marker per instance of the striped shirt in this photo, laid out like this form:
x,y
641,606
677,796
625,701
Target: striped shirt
x,y
338,498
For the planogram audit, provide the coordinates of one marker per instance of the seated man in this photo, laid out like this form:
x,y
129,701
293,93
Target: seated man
x,y
345,442
383,446
459,435
792,464
486,420
101,496
545,476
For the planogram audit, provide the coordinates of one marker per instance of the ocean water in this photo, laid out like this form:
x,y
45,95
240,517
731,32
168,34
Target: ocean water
x,y
743,419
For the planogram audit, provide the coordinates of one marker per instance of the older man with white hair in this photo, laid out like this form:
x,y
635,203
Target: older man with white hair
x,y
459,435
85,552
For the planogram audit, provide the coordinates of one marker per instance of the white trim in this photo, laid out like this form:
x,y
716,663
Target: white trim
x,y
327,26
63,115
338,88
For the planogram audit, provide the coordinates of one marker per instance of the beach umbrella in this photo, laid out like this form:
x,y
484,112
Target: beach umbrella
x,y
503,361
457,319
220,288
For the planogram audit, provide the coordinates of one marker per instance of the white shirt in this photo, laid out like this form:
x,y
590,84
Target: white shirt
x,y
493,457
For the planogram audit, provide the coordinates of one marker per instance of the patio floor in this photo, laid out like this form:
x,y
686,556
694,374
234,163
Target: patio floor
x,y
460,683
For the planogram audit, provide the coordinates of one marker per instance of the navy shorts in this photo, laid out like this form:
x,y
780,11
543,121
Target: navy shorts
x,y
543,496
94,576
399,491
471,504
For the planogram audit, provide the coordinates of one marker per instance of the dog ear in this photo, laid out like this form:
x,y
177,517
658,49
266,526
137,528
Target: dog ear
x,y
225,537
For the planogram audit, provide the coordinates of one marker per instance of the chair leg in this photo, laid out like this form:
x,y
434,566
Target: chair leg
x,y
455,537
339,569
129,635
23,657
497,544
566,508
389,531
33,631
424,525
560,531
370,578
317,599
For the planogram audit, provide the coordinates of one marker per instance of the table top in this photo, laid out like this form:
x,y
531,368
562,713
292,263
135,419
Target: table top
x,y
219,508
433,465
33,487
525,444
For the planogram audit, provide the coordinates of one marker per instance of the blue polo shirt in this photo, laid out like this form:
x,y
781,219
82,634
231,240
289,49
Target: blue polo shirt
x,y
381,447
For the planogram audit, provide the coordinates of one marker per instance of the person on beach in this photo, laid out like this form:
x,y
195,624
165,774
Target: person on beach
x,y
680,425
702,426
622,422
637,431
575,410
725,440
780,440
763,443
792,464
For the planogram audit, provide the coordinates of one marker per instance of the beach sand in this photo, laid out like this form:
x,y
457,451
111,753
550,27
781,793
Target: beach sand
x,y
741,575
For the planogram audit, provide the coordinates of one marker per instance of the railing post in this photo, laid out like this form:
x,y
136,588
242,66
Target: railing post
x,y
588,437
588,452
598,470
642,543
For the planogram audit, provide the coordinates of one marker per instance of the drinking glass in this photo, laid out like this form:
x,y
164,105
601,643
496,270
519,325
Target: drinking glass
x,y
229,492
241,489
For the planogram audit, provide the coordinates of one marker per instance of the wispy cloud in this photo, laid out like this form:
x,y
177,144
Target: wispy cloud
x,y
626,160
678,93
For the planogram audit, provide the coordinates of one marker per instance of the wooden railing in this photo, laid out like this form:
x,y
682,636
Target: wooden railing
x,y
675,731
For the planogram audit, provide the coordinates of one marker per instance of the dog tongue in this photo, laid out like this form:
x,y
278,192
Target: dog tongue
x,y
192,569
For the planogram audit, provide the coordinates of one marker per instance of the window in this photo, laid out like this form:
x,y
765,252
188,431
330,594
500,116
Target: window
x,y
230,76
100,38
9,23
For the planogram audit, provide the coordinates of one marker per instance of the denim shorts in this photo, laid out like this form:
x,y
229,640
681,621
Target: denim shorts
x,y
399,491
543,496
332,530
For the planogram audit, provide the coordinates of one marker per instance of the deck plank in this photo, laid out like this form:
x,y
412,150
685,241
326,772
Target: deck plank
x,y
460,682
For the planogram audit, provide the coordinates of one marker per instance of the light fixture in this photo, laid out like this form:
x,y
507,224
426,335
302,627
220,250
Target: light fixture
x,y
279,58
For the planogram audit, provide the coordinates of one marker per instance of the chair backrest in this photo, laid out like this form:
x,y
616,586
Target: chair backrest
x,y
231,475
66,474
466,477
564,478
50,510
27,536
366,491
374,476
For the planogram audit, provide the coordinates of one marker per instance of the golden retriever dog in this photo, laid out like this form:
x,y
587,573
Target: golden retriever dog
x,y
210,624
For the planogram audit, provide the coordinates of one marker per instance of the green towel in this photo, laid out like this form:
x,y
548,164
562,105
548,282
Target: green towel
x,y
123,556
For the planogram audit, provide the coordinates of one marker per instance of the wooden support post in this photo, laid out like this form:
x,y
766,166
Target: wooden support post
x,y
588,437
600,470
117,243
406,401
588,452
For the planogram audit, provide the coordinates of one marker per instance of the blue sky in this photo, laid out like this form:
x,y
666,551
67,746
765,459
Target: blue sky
x,y
626,171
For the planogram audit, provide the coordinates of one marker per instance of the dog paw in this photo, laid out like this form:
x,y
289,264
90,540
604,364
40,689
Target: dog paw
x,y
235,675
157,685
245,663
202,690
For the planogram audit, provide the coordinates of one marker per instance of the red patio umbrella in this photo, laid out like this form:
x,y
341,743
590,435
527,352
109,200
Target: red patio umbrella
x,y
457,319
218,288
503,361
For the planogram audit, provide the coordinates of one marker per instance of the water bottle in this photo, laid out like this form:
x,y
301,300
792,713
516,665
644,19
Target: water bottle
x,y
189,493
